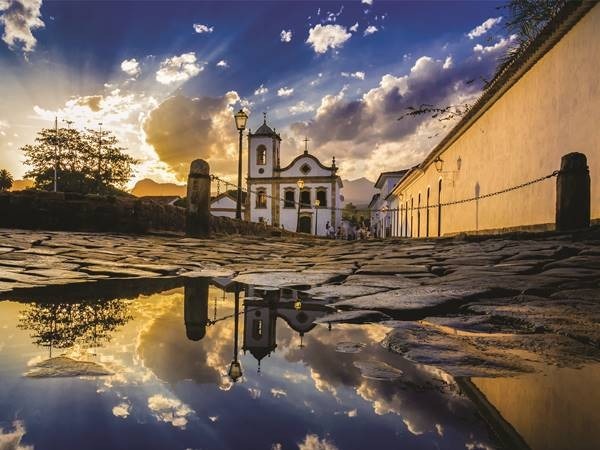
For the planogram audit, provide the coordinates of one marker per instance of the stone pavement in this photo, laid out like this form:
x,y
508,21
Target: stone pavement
x,y
471,306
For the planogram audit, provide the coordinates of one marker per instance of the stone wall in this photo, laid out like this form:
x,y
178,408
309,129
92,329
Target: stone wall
x,y
41,210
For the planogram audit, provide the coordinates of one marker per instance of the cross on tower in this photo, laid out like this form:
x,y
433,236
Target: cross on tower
x,y
265,117
306,144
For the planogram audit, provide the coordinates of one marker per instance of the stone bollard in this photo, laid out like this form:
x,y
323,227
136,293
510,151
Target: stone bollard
x,y
573,193
198,199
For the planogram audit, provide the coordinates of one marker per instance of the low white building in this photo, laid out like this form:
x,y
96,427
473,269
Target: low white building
x,y
224,204
275,194
382,219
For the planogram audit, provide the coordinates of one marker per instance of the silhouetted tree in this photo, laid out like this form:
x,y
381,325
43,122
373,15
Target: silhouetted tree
x,y
87,162
62,325
6,180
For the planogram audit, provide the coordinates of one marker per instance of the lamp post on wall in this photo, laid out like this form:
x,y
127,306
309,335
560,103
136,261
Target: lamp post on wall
x,y
235,368
241,118
317,204
300,184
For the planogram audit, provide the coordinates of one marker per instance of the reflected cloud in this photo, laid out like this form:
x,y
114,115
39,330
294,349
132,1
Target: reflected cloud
x,y
313,442
121,410
11,439
170,410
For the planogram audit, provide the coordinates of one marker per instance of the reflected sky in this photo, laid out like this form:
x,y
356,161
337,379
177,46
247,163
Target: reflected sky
x,y
173,386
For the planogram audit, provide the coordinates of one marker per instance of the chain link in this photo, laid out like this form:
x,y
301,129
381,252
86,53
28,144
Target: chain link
x,y
455,202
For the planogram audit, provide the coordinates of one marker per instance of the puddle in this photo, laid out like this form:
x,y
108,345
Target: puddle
x,y
219,365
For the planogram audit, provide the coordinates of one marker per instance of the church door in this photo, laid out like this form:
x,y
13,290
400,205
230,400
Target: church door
x,y
305,225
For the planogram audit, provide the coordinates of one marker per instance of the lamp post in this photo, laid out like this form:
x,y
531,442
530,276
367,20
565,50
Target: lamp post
x,y
240,122
317,204
235,368
300,184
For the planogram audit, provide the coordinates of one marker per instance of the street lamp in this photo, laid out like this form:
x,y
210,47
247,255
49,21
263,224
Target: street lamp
x,y
241,118
235,368
317,204
300,184
439,164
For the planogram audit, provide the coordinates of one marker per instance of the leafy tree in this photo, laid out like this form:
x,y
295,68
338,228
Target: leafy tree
x,y
6,180
89,323
88,162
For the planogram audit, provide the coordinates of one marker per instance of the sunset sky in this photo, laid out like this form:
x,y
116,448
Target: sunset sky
x,y
165,77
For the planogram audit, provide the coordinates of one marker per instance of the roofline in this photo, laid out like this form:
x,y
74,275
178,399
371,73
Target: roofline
x,y
306,155
391,173
558,27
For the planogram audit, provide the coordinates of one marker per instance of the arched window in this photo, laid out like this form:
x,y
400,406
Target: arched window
x,y
440,207
411,216
305,198
261,198
290,201
261,155
406,218
322,197
419,216
427,214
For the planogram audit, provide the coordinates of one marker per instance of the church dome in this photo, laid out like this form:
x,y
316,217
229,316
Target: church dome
x,y
265,130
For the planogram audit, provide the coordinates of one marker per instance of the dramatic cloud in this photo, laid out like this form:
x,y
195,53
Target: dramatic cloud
x,y
300,107
286,36
200,28
484,27
502,44
131,67
122,410
19,18
261,90
367,129
182,129
367,2
223,64
358,75
371,29
354,28
448,63
285,92
178,69
324,37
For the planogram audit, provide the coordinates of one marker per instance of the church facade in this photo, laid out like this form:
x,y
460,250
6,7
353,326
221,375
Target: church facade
x,y
303,196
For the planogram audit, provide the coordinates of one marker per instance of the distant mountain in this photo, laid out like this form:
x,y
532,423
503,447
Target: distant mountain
x,y
148,187
359,191
19,185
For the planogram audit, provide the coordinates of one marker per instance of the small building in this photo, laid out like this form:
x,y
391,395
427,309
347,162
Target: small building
x,y
161,199
382,221
275,195
224,204
542,105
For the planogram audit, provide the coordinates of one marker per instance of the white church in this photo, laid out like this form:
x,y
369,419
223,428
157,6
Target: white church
x,y
276,192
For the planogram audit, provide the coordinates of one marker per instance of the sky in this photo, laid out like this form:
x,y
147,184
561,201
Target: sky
x,y
166,76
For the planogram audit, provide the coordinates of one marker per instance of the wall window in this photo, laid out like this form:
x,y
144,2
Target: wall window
x,y
290,200
427,217
305,198
419,216
439,208
261,155
261,198
322,197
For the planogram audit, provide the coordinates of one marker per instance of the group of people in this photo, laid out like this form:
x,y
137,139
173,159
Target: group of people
x,y
353,233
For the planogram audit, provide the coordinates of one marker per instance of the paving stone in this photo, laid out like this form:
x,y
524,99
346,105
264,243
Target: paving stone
x,y
360,316
343,290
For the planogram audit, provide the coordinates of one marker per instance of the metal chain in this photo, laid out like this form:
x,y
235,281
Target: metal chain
x,y
455,202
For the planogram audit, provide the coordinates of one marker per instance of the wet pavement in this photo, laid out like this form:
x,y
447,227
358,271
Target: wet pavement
x,y
467,323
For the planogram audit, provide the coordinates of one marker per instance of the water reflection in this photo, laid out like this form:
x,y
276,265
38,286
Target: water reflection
x,y
89,323
248,356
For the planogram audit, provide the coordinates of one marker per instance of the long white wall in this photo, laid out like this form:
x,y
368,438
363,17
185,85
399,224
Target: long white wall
x,y
553,109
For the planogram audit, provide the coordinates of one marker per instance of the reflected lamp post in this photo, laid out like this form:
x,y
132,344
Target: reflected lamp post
x,y
241,118
235,368
300,184
317,204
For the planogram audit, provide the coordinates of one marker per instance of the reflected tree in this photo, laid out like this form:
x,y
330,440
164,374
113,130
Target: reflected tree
x,y
62,325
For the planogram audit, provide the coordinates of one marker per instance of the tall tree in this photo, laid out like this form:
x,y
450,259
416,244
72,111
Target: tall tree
x,y
6,180
87,162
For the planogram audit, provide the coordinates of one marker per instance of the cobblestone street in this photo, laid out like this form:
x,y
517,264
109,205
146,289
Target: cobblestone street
x,y
470,306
